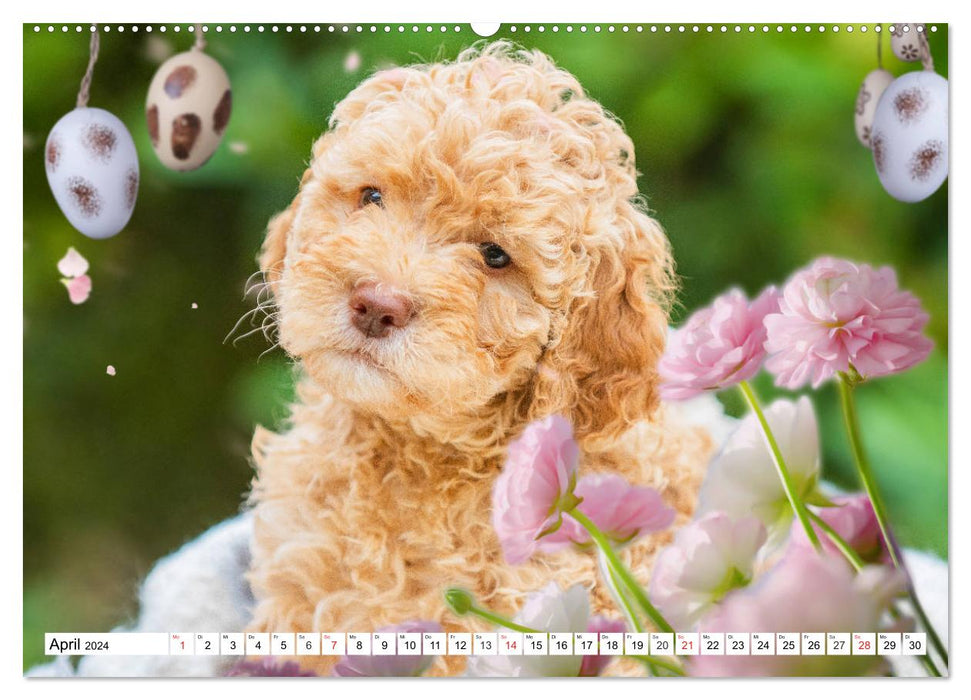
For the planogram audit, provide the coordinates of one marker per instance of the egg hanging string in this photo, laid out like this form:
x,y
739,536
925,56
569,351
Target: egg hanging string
x,y
200,44
85,90
926,60
879,48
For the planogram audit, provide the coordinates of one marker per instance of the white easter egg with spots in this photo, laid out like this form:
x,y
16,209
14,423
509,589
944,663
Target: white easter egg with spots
x,y
92,169
187,110
909,137
866,102
905,44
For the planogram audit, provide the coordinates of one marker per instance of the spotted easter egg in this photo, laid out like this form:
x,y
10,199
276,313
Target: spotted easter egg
x,y
187,110
909,137
874,84
92,169
904,41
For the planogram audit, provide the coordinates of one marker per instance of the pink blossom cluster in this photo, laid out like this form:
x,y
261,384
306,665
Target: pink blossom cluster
x,y
538,486
74,268
718,347
833,316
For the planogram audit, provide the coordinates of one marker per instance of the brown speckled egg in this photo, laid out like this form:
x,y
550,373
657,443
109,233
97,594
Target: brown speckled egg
x,y
905,44
867,98
92,168
910,137
188,108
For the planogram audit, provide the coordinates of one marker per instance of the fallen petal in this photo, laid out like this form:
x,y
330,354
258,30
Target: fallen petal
x,y
78,289
73,264
352,62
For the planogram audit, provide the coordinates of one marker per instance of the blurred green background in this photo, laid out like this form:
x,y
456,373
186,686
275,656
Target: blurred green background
x,y
749,159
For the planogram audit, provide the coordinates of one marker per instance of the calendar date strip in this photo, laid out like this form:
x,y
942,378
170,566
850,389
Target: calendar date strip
x,y
504,643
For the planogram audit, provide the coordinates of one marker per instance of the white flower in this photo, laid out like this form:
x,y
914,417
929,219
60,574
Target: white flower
x,y
548,610
742,480
708,558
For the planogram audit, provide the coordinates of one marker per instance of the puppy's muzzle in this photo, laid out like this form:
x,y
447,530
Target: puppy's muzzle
x,y
377,310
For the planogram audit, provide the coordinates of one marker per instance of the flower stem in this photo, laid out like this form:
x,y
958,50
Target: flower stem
x,y
854,559
852,422
500,620
625,604
925,621
925,659
841,544
621,571
618,590
662,663
802,513
929,665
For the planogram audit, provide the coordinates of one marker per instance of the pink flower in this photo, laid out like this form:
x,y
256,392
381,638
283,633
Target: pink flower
x,y
398,665
853,519
594,665
621,511
804,592
835,315
78,289
718,347
708,558
535,486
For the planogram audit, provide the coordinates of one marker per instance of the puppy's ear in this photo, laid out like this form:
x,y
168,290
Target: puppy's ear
x,y
274,248
602,370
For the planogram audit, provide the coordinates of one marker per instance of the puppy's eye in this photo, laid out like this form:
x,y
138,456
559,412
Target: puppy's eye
x,y
494,256
370,195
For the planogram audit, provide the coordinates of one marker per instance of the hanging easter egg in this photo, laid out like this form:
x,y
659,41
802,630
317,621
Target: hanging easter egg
x,y
92,169
909,137
867,98
905,44
188,107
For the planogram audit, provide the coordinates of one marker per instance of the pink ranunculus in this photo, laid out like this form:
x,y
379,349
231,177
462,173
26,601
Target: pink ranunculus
x,y
594,665
535,486
619,510
718,347
78,288
709,558
804,592
835,315
853,519
386,666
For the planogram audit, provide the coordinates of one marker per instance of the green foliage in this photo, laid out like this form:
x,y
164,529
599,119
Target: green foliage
x,y
749,159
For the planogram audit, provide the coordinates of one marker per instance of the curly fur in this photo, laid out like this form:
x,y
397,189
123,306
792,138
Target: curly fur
x,y
377,496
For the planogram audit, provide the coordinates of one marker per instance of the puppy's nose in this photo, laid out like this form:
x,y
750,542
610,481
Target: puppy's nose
x,y
376,311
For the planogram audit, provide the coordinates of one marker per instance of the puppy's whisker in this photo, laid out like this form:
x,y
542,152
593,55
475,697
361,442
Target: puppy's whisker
x,y
256,285
250,281
247,334
267,351
248,315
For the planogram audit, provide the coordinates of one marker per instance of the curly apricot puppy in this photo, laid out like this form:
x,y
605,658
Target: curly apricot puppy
x,y
466,254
